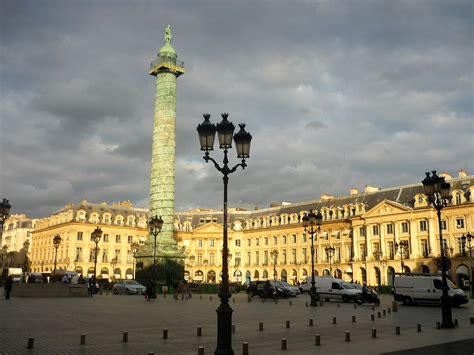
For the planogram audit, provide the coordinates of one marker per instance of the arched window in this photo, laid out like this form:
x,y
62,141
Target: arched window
x,y
458,198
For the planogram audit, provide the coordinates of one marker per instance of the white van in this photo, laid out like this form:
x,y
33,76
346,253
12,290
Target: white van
x,y
331,288
425,288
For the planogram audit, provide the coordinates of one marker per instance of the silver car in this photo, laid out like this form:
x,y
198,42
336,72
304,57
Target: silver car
x,y
293,289
128,287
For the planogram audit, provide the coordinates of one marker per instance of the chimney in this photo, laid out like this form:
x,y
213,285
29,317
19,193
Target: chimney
x,y
369,188
325,197
274,204
354,191
462,173
445,175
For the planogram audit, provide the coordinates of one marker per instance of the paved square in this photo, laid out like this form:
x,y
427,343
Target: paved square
x,y
56,325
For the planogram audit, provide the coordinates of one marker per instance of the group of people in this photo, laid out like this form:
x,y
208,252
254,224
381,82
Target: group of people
x,y
181,288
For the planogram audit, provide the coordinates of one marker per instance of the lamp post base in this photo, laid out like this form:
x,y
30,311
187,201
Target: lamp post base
x,y
314,301
224,327
447,319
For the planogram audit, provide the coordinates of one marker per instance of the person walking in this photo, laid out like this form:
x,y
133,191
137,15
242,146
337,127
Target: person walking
x,y
148,291
8,287
91,286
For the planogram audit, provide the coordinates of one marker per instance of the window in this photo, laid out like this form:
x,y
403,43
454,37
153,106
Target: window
x,y
237,242
443,224
349,252
92,255
257,242
106,238
283,239
78,254
423,226
212,242
105,256
375,230
266,240
130,239
79,235
362,231
438,284
404,227
458,198
459,223
257,257
265,257
424,248
275,240
303,237
336,286
199,259
249,242
284,257
390,228
211,258
294,238
117,255
293,256
249,258
303,251
200,242
362,252
117,238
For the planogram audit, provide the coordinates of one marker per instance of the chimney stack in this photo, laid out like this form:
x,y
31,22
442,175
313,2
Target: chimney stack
x,y
462,173
354,191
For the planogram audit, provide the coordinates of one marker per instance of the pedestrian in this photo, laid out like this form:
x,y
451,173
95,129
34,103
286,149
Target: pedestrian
x,y
148,291
91,286
8,287
175,289
185,289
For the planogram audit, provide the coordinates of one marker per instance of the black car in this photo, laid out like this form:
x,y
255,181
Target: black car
x,y
257,288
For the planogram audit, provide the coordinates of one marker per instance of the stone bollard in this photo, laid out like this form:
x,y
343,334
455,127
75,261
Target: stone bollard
x,y
438,325
456,323
165,333
291,303
338,305
310,322
260,326
31,343
83,339
379,315
374,332
353,319
348,335
151,353
355,306
283,343
372,317
418,327
334,321
201,350
199,331
125,337
471,320
287,323
306,304
200,297
395,306
397,330
249,298
210,298
384,312
321,303
389,311
317,339
245,348
164,295
373,308
233,328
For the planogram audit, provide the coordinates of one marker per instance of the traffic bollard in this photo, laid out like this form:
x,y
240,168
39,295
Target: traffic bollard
x,y
199,331
395,306
124,337
334,321
378,315
373,308
201,350
355,306
245,348
397,330
348,335
471,320
233,328
389,311
311,322
83,339
317,339
372,317
260,326
438,325
31,343
165,333
306,304
374,332
456,323
338,305
287,323
353,319
384,312
283,343
418,327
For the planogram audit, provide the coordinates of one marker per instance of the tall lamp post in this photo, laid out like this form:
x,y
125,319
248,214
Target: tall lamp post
x,y
96,235
438,192
56,241
312,223
467,244
4,213
242,139
330,252
274,253
134,250
154,225
401,248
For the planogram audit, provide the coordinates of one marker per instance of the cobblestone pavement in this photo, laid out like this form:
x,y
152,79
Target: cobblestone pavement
x,y
57,323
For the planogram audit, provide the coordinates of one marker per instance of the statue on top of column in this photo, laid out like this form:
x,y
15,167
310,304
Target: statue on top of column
x,y
168,35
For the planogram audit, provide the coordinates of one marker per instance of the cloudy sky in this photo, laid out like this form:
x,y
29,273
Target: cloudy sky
x,y
337,94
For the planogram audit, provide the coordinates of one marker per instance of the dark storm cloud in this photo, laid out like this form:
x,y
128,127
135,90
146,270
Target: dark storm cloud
x,y
335,93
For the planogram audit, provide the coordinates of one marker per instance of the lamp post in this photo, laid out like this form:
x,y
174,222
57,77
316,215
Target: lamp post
x,y
96,235
274,253
56,241
401,248
154,225
134,250
330,252
312,223
4,255
467,244
438,192
4,213
242,139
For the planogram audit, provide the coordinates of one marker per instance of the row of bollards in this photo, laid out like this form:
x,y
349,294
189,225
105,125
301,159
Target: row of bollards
x,y
245,346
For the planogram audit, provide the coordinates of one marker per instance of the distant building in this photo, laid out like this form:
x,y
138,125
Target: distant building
x,y
16,232
121,224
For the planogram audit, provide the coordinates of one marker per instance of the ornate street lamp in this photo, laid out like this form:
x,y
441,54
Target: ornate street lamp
x,y
134,250
4,211
96,235
274,253
154,225
438,192
401,248
467,244
330,252
242,139
4,254
56,241
310,222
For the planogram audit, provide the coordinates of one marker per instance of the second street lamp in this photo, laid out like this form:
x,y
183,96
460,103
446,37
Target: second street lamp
x,y
242,139
438,192
330,252
467,244
154,225
56,241
134,250
96,235
312,223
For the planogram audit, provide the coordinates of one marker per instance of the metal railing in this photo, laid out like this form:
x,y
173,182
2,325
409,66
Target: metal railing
x,y
161,60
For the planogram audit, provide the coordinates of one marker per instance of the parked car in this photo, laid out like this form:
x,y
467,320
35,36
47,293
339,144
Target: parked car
x,y
294,290
257,288
425,288
331,288
128,287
